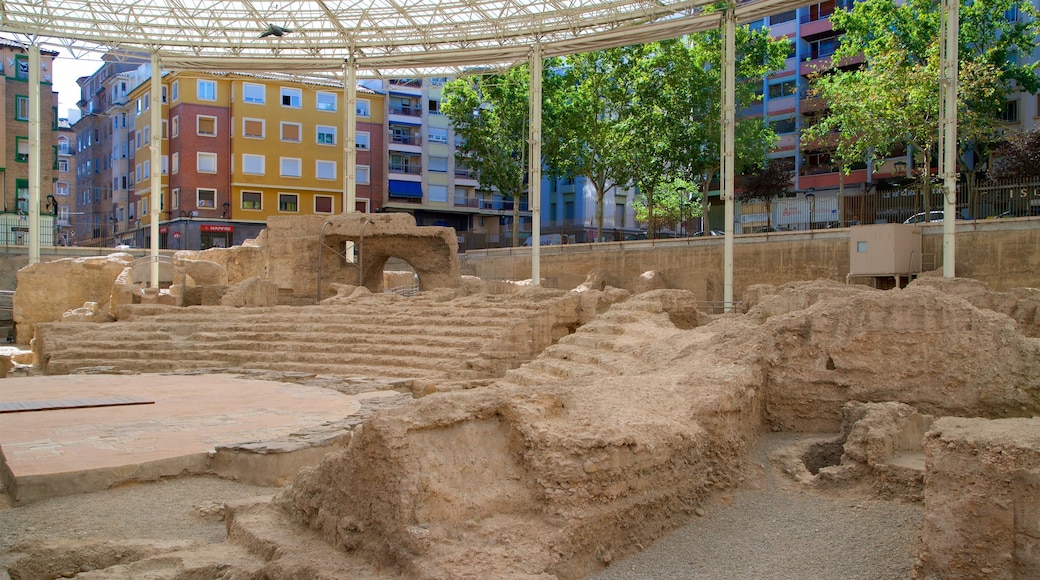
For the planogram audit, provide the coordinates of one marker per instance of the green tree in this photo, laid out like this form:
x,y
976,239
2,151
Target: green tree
x,y
689,94
893,98
673,203
585,98
490,113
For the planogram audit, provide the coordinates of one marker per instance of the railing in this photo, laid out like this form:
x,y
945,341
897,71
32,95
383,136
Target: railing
x,y
406,139
466,173
720,307
467,202
907,203
406,110
409,169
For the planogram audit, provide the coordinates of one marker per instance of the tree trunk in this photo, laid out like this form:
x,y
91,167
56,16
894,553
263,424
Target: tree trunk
x,y
600,192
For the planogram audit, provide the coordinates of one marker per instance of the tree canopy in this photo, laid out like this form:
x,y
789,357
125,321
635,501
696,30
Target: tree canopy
x,y
490,114
892,98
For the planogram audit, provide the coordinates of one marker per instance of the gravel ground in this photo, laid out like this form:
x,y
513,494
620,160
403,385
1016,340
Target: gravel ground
x,y
775,528
770,528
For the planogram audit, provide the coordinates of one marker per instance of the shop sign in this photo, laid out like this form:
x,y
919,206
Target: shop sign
x,y
216,228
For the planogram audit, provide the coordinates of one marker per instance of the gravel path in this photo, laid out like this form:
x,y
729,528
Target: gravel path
x,y
775,528
770,528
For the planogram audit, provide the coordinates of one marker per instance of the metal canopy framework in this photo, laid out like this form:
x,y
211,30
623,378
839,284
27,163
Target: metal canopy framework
x,y
394,39
389,38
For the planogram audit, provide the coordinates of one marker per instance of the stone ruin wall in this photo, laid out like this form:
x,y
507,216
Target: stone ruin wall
x,y
577,471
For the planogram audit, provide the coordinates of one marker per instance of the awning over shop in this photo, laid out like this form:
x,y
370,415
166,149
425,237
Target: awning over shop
x,y
411,189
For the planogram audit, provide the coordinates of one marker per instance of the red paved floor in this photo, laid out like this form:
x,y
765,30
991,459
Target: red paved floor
x,y
191,415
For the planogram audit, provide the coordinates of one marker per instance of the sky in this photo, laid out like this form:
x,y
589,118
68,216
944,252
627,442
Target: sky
x,y
66,71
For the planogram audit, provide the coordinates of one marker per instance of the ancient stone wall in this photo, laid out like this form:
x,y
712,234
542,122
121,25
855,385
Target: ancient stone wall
x,y
52,288
982,500
1000,253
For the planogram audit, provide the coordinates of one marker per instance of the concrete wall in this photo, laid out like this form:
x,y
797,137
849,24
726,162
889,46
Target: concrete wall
x,y
1002,253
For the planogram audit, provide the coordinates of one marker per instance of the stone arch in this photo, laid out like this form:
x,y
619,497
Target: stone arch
x,y
294,243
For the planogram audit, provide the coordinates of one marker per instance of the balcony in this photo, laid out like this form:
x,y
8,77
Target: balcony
x,y
473,202
465,173
406,110
406,139
407,168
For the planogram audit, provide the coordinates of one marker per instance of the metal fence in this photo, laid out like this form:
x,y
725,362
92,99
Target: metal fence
x,y
888,203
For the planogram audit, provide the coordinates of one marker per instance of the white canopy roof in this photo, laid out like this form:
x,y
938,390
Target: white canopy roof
x,y
391,38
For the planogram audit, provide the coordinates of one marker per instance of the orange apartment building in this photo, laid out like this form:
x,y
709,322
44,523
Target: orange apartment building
x,y
239,148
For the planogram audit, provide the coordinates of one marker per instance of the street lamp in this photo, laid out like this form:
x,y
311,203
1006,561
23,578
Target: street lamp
x,y
811,197
681,192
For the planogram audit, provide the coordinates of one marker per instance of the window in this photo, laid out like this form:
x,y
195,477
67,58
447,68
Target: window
x,y
291,132
138,172
821,10
165,129
63,145
165,164
288,201
781,126
175,126
146,136
323,204
137,140
783,17
782,89
252,200
361,172
435,106
206,126
63,165
290,167
823,47
252,164
207,162
253,128
438,135
61,188
438,193
325,169
440,165
165,96
254,93
292,98
147,101
1010,112
175,90
363,108
138,108
147,166
175,163
207,90
21,108
326,135
22,147
21,71
362,140
175,198
206,198
326,101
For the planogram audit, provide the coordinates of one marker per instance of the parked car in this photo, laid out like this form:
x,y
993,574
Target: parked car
x,y
710,233
925,216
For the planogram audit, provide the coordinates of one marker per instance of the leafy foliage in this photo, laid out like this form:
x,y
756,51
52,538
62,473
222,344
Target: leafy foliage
x,y
490,113
893,98
1019,156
